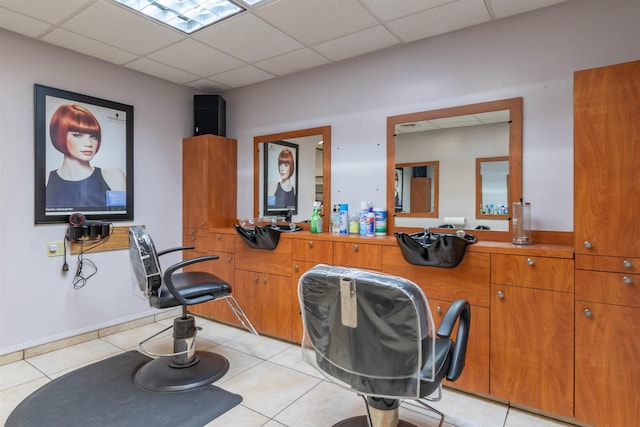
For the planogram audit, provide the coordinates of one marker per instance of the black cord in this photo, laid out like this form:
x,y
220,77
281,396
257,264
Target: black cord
x,y
81,278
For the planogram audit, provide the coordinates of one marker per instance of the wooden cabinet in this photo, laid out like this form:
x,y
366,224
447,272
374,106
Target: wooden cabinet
x,y
266,300
208,200
209,188
262,286
357,254
306,254
475,376
606,173
469,281
532,311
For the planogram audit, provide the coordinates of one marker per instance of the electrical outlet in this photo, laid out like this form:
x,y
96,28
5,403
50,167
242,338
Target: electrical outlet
x,y
55,248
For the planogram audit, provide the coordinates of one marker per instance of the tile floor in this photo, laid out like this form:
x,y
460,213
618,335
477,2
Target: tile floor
x,y
278,389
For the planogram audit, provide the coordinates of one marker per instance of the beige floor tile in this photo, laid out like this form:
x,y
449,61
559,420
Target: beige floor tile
x,y
322,406
240,416
268,388
218,332
292,358
12,397
17,373
74,356
259,346
238,362
464,410
519,418
131,338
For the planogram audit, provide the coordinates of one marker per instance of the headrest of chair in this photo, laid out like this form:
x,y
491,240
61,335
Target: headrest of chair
x,y
144,260
366,328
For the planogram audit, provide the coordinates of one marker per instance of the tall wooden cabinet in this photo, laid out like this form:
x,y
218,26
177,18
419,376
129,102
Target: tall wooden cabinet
x,y
209,192
607,247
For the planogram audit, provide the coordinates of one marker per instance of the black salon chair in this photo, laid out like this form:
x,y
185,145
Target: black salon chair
x,y
373,334
185,368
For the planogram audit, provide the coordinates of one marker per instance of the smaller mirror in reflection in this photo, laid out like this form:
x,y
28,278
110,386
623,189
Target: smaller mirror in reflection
x,y
492,187
417,189
281,177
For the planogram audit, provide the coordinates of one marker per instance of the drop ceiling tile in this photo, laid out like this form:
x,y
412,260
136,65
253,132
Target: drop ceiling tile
x,y
440,20
21,24
242,76
357,43
82,44
312,22
247,37
292,62
113,25
389,10
208,85
51,11
195,57
147,66
504,8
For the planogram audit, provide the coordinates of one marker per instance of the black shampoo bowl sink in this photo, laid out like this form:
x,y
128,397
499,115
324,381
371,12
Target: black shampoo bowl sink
x,y
434,249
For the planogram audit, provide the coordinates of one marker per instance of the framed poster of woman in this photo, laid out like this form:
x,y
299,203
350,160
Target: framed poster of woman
x,y
281,178
83,157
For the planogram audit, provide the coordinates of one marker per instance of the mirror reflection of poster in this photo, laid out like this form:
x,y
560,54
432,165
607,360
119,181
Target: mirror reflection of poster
x,y
281,178
398,190
84,157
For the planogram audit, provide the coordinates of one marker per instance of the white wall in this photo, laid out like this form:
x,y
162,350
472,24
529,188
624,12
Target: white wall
x,y
533,55
38,303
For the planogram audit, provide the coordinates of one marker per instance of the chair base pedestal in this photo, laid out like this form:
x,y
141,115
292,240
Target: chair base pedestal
x,y
160,375
361,421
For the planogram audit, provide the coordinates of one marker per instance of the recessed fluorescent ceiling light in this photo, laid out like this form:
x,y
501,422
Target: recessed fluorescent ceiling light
x,y
186,15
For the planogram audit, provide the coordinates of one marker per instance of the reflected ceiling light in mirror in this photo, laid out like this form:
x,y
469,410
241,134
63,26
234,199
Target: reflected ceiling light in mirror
x,y
490,117
187,15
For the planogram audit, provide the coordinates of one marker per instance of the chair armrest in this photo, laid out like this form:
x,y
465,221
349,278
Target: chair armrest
x,y
460,312
169,272
178,248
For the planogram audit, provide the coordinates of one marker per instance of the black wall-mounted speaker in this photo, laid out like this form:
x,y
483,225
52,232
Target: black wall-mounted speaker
x,y
209,115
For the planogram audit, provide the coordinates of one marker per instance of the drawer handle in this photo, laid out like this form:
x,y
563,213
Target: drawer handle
x,y
255,279
530,261
193,238
627,264
439,310
310,244
229,258
500,294
203,224
296,268
355,248
627,280
588,312
193,231
264,280
587,244
219,236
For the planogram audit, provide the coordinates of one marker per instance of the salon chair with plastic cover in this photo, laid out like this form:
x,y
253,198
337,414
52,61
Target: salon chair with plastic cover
x,y
374,334
184,368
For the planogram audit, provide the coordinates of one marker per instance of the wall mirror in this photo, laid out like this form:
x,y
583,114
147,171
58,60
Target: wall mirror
x,y
298,163
416,189
492,187
456,139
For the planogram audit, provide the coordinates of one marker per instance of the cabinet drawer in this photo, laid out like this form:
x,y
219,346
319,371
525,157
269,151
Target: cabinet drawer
x,y
358,255
614,264
197,240
608,288
554,274
469,280
277,261
318,251
220,242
